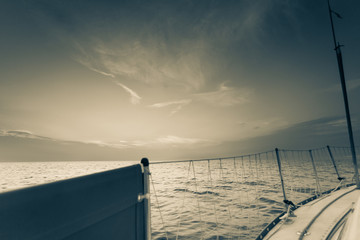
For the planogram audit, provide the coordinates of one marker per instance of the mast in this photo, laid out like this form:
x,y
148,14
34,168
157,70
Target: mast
x,y
346,102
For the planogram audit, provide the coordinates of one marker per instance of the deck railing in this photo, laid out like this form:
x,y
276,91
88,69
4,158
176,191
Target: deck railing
x,y
236,197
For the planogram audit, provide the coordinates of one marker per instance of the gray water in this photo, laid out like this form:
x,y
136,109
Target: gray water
x,y
219,199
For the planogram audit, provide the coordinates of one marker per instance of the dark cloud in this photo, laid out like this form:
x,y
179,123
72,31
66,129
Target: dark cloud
x,y
305,135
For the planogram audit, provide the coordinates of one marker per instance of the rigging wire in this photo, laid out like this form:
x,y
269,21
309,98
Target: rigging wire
x,y
197,199
183,202
158,206
214,205
254,175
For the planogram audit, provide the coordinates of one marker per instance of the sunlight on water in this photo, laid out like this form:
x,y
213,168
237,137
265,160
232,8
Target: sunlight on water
x,y
14,175
235,198
219,199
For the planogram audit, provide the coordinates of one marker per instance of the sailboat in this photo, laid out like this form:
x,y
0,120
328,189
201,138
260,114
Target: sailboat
x,y
116,204
332,215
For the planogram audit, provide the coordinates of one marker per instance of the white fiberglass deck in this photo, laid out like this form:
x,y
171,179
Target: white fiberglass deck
x,y
318,219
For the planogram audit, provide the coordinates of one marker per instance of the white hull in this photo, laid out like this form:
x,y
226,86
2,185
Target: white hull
x,y
327,217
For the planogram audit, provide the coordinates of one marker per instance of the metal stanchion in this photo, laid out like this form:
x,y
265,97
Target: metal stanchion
x,y
146,199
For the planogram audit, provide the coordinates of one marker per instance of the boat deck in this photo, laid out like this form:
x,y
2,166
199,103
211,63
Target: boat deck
x,y
322,218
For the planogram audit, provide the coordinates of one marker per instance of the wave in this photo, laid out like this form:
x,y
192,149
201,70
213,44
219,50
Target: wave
x,y
197,193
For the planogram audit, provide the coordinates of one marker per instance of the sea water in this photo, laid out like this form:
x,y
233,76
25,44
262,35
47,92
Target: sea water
x,y
193,200
15,175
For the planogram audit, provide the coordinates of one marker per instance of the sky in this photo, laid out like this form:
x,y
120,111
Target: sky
x,y
120,80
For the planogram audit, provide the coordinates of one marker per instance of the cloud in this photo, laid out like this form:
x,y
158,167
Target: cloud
x,y
337,122
176,105
225,96
88,65
304,135
350,85
134,97
160,142
30,135
118,145
157,142
22,134
86,61
101,72
151,61
260,127
325,126
145,48
354,84
175,140
184,51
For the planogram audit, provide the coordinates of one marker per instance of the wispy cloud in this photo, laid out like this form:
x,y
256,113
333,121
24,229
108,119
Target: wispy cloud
x,y
22,134
157,54
118,145
159,142
31,135
134,97
225,96
101,72
175,105
175,140
164,141
86,61
154,61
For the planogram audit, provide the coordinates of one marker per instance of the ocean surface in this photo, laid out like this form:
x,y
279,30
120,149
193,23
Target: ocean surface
x,y
230,198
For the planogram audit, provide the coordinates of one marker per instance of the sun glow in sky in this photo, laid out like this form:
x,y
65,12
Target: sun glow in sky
x,y
172,79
